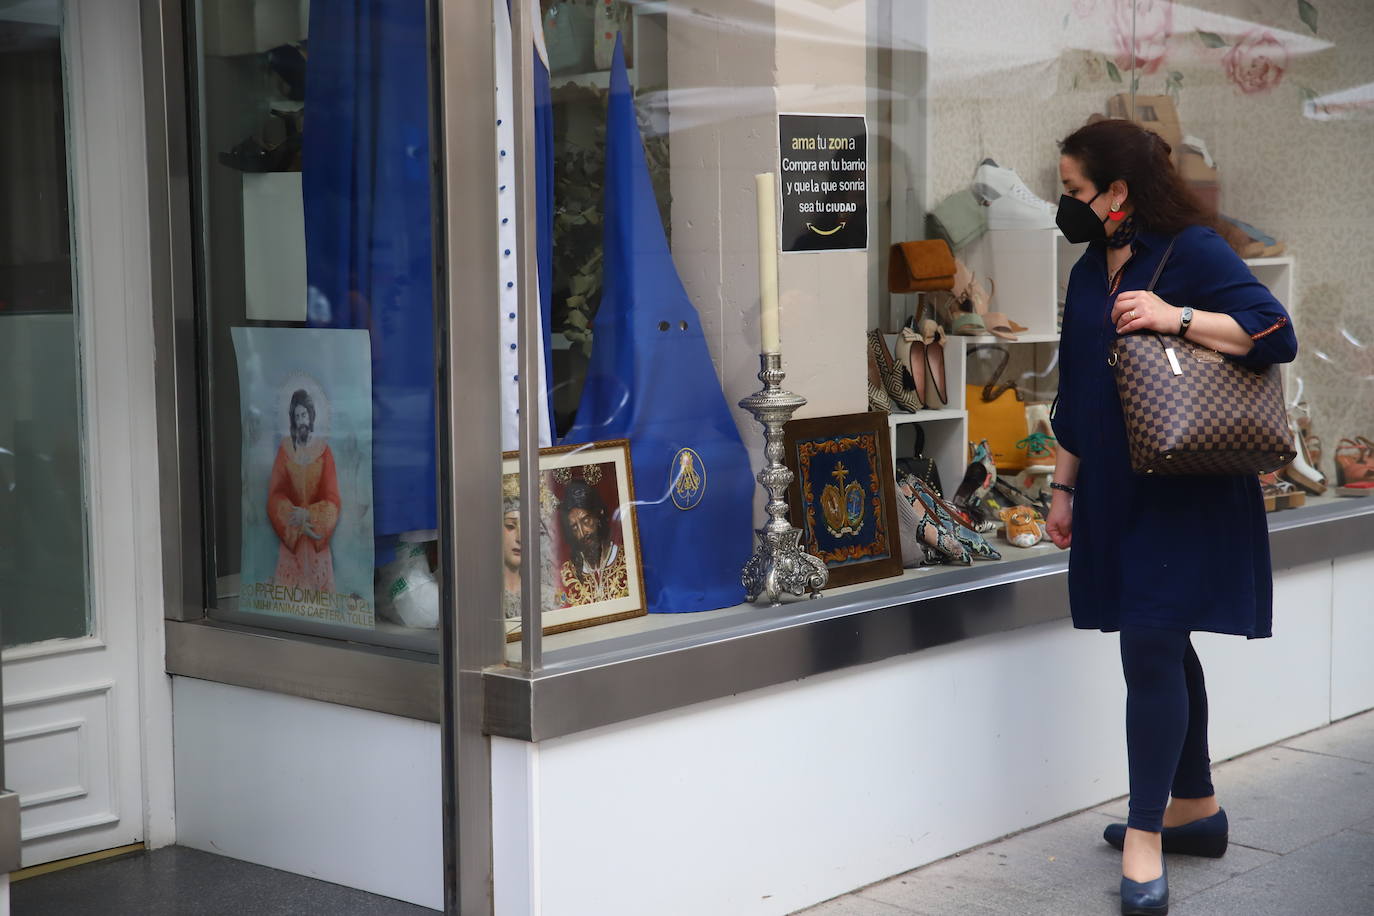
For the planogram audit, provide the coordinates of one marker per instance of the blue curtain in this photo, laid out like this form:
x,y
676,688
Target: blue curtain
x,y
366,184
543,179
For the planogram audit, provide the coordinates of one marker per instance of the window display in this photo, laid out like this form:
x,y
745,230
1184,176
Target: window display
x,y
317,318
958,141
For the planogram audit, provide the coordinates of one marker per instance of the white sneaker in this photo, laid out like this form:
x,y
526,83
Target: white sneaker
x,y
1011,205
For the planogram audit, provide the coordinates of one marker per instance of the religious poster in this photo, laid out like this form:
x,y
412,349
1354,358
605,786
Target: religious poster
x,y
823,167
590,569
305,397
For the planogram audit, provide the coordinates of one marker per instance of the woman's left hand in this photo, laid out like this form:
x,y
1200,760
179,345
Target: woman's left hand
x,y
1141,310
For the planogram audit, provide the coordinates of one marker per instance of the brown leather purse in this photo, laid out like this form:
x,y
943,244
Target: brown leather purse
x,y
1192,411
922,266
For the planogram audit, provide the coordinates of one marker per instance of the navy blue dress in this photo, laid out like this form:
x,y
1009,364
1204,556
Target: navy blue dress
x,y
1186,553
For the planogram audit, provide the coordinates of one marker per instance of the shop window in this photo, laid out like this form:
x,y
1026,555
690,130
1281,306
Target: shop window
x,y
317,317
960,109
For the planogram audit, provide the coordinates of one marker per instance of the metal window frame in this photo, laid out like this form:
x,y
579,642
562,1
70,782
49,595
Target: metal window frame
x,y
444,689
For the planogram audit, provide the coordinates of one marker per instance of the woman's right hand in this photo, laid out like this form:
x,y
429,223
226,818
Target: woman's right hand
x,y
1059,524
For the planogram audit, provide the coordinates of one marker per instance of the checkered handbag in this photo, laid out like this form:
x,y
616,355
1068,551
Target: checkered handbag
x,y
1191,411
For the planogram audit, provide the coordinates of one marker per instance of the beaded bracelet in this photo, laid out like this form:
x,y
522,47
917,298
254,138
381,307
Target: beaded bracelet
x,y
1056,485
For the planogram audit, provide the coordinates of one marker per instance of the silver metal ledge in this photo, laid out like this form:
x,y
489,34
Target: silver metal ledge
x,y
620,679
637,676
400,683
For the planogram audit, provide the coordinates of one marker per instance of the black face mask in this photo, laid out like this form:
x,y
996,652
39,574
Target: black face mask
x,y
1078,221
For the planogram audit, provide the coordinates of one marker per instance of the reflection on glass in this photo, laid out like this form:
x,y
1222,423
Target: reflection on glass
x,y
318,316
42,510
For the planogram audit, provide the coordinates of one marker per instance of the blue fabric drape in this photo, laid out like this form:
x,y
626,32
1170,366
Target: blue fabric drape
x,y
366,187
651,380
543,179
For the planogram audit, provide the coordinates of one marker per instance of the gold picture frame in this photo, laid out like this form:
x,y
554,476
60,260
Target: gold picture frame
x,y
591,570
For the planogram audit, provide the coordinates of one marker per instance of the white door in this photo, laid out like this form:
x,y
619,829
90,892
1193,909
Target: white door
x,y
75,372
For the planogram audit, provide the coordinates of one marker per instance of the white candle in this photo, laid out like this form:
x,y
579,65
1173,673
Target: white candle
x,y
768,263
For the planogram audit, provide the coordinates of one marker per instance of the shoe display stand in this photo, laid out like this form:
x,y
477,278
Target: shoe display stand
x,y
1028,270
1029,274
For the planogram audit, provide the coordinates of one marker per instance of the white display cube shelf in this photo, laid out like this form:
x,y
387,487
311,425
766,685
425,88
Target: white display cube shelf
x,y
946,441
1028,270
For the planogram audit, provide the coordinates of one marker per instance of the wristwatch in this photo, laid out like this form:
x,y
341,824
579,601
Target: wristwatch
x,y
1185,320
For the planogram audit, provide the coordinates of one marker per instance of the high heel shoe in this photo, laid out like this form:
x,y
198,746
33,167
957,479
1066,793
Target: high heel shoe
x,y
1146,898
1015,496
939,545
912,348
891,372
974,542
878,399
1302,471
933,336
1206,837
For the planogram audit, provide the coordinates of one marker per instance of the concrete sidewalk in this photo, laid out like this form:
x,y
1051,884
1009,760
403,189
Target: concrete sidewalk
x,y
1302,844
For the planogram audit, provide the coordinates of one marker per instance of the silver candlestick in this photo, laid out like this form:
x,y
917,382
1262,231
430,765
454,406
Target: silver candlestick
x,y
779,563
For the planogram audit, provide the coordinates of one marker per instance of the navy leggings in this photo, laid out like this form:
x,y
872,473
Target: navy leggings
x,y
1166,722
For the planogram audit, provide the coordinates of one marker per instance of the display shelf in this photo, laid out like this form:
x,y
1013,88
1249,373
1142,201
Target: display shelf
x,y
923,416
592,79
1026,270
946,439
1027,338
1285,261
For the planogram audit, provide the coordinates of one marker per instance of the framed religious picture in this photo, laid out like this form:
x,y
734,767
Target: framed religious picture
x,y
589,563
305,396
842,496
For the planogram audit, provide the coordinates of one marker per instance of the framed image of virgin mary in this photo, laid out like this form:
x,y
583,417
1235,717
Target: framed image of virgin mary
x,y
843,495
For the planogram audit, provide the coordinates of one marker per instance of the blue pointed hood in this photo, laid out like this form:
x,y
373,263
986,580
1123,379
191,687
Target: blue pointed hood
x,y
651,380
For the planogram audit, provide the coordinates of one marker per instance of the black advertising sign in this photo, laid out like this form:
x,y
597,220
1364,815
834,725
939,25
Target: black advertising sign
x,y
824,176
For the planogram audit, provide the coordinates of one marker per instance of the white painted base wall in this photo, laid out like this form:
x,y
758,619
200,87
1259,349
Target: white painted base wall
x,y
770,801
340,794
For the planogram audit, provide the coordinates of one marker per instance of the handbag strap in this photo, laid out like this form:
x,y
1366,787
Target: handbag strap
x,y
992,390
1160,269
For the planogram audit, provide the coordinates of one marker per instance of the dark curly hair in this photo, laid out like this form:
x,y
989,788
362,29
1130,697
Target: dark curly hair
x,y
1112,148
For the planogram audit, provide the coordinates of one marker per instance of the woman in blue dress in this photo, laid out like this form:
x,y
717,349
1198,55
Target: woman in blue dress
x,y
1155,558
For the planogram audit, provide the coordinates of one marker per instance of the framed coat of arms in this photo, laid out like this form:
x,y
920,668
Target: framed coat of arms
x,y
843,497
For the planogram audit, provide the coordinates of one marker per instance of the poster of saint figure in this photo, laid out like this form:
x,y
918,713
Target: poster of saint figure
x,y
305,396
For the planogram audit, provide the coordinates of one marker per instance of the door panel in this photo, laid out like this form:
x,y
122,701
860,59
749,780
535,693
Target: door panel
x,y
72,260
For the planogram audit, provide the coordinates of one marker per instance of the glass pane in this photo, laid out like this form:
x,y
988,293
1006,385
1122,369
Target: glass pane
x,y
42,506
317,316
864,117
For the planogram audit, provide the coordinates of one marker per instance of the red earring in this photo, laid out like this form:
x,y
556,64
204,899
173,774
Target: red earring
x,y
1116,214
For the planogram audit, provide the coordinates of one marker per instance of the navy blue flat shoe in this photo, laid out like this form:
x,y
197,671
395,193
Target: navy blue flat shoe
x,y
1203,837
1148,898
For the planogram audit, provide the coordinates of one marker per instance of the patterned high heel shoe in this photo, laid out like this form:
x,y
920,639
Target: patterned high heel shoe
x,y
892,372
877,388
939,545
974,542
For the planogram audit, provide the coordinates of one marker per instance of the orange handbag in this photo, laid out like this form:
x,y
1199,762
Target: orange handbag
x,y
922,266
997,413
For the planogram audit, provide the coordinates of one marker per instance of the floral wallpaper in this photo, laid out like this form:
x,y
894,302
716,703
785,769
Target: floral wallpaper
x,y
1280,93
